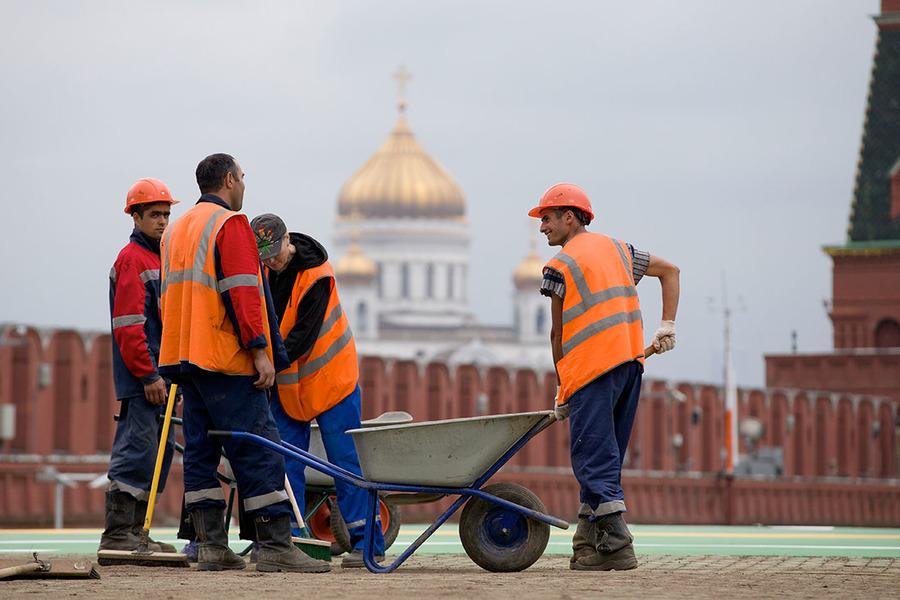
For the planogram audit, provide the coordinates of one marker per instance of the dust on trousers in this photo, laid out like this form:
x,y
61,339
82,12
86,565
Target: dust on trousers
x,y
230,402
339,448
135,446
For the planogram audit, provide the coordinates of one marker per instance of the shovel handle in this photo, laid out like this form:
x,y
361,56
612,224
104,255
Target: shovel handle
x,y
19,570
649,351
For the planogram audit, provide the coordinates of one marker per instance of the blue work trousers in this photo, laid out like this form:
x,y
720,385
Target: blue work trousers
x,y
230,402
600,422
133,455
339,448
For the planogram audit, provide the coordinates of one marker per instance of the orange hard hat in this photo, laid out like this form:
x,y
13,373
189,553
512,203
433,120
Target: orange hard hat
x,y
148,191
562,195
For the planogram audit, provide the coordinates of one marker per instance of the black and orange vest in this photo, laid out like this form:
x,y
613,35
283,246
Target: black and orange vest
x,y
196,328
329,372
601,319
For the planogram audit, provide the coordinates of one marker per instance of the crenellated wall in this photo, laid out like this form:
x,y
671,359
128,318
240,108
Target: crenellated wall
x,y
61,385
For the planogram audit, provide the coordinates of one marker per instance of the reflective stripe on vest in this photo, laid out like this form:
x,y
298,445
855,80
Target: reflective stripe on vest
x,y
329,372
196,328
601,319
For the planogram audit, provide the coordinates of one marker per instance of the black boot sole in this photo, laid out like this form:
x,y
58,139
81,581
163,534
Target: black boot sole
x,y
220,567
264,567
612,565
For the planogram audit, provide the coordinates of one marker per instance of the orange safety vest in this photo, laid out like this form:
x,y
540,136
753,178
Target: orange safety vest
x,y
196,328
601,319
329,372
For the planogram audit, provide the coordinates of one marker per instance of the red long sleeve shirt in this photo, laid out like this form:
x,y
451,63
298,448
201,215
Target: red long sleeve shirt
x,y
236,254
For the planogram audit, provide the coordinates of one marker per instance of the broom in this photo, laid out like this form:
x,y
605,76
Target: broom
x,y
312,547
143,556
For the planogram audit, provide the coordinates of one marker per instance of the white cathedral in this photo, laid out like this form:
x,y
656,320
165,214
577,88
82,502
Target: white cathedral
x,y
403,238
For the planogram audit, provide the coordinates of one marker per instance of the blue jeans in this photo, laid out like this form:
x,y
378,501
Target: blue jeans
x,y
133,455
333,424
230,402
600,422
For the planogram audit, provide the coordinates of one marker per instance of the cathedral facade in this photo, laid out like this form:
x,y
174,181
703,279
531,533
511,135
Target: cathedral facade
x,y
404,244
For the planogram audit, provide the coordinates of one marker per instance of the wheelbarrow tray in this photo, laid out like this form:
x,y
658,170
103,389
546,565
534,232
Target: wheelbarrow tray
x,y
317,478
446,453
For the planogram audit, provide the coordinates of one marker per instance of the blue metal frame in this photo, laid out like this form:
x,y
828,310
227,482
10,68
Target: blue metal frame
x,y
373,488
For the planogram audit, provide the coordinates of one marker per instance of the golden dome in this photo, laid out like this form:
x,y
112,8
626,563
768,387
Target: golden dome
x,y
356,265
530,272
401,180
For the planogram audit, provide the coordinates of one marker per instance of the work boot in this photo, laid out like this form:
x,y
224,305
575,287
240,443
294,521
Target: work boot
x,y
580,545
118,533
140,513
121,533
613,543
354,560
277,551
213,553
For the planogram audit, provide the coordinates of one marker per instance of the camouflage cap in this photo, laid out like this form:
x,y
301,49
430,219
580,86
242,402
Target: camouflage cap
x,y
269,230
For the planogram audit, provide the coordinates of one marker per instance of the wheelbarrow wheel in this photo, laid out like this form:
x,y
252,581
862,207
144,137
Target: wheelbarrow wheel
x,y
390,525
501,540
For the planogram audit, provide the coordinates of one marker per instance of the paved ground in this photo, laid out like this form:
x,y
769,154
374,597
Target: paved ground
x,y
454,576
675,562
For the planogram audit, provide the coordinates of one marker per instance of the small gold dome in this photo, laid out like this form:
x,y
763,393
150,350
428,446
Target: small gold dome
x,y
530,272
401,180
356,265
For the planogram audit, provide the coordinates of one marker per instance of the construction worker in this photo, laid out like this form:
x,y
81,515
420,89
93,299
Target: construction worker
x,y
218,345
322,381
597,342
136,330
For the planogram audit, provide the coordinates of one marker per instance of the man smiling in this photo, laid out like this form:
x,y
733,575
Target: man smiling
x,y
598,350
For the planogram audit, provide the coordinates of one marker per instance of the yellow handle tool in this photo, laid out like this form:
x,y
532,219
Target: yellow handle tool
x,y
164,436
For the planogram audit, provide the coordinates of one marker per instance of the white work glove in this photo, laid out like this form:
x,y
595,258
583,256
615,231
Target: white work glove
x,y
560,411
664,338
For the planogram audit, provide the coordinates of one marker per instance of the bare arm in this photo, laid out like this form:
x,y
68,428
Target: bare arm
x,y
668,275
556,304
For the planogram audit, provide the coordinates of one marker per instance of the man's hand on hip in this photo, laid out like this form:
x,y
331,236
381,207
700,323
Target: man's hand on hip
x,y
664,338
265,369
155,392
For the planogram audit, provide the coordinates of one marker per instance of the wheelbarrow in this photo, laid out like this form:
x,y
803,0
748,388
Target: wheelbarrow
x,y
503,527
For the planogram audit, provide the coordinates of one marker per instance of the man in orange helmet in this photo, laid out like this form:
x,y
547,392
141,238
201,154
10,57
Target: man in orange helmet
x,y
598,349
136,329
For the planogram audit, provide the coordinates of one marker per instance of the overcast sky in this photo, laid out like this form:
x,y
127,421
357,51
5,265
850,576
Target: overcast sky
x,y
722,136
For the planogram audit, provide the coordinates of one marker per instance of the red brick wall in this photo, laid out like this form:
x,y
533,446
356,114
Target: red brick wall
x,y
60,383
865,293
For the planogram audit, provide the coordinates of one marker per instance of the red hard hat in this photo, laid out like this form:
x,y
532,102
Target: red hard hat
x,y
148,191
564,194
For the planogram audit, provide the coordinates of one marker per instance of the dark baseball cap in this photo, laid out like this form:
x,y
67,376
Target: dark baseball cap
x,y
269,230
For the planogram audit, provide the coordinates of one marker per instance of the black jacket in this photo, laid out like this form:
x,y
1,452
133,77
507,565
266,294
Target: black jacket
x,y
311,311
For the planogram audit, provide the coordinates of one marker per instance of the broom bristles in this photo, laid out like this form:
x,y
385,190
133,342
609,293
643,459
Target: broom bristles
x,y
314,548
